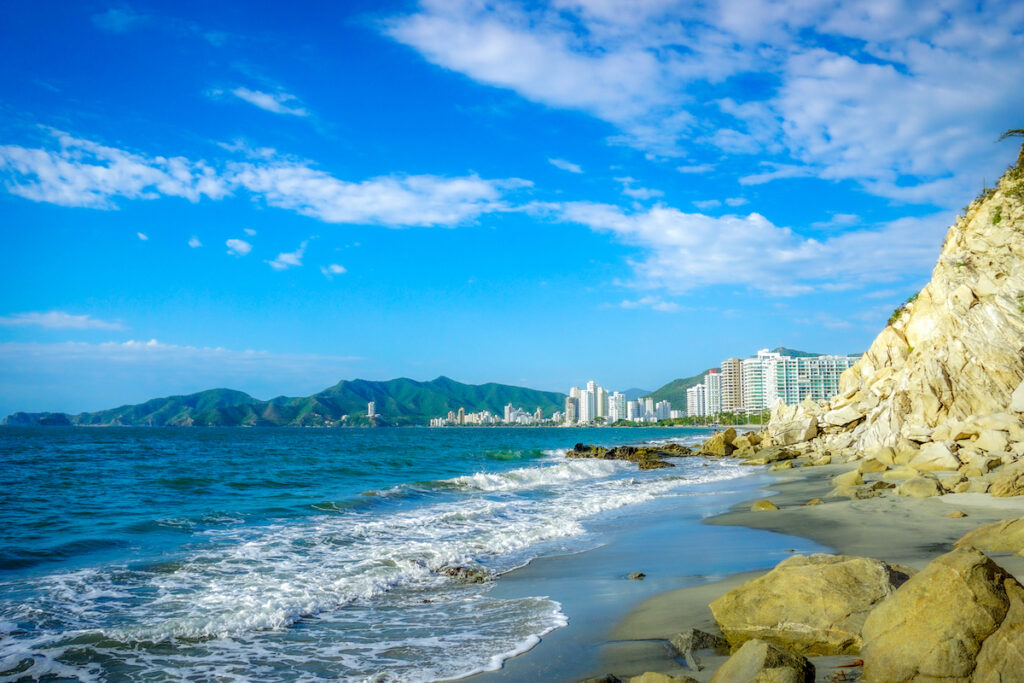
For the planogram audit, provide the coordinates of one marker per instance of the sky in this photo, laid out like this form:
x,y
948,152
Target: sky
x,y
274,196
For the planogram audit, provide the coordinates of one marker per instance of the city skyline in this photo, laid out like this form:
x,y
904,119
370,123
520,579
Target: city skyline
x,y
273,197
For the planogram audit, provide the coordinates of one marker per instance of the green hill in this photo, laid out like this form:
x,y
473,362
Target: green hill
x,y
399,401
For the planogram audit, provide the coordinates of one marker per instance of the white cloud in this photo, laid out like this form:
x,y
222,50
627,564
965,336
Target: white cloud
x,y
904,100
57,320
638,193
565,165
333,269
291,259
85,174
143,236
238,247
696,168
194,242
685,251
705,204
737,201
838,220
277,103
249,231
653,302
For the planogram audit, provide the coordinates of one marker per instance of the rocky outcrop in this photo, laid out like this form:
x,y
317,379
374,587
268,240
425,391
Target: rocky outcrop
x,y
814,605
720,444
646,457
761,662
688,643
655,677
959,619
1006,536
946,373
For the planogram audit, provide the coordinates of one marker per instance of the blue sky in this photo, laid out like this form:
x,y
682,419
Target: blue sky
x,y
273,197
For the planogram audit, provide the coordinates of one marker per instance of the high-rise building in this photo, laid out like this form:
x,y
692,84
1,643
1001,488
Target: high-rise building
x,y
713,392
508,412
732,385
695,404
574,392
602,402
663,410
371,409
617,407
571,409
462,416
633,412
754,380
538,415
648,407
792,379
588,405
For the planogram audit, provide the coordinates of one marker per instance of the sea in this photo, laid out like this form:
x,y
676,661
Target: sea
x,y
279,554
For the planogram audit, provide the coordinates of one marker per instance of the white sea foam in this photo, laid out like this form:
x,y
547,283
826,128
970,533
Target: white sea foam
x,y
223,602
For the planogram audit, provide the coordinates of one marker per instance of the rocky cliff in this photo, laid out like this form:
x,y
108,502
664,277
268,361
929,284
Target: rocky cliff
x,y
950,358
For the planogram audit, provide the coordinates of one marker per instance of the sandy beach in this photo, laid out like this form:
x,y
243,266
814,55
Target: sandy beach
x,y
892,528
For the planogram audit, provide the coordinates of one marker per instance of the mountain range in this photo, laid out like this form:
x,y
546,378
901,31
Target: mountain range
x,y
399,401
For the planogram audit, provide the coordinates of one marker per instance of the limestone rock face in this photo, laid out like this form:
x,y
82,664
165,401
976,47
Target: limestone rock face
x,y
955,351
761,662
936,627
1005,536
1009,482
813,605
720,444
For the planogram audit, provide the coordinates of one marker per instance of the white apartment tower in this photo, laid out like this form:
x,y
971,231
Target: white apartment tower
x,y
713,392
695,405
602,402
617,407
754,369
371,409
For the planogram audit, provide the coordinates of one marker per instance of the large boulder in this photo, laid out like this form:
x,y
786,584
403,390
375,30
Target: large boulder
x,y
761,662
1017,399
1006,536
1009,481
920,487
720,444
655,677
935,457
794,431
814,605
935,627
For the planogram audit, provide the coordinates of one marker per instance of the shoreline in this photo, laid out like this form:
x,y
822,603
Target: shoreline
x,y
896,529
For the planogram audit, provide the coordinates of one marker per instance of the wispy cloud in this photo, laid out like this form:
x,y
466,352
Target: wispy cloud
x,y
705,204
736,201
58,320
333,269
237,247
278,103
194,242
566,165
290,259
118,19
696,168
85,174
652,302
143,236
689,251
638,193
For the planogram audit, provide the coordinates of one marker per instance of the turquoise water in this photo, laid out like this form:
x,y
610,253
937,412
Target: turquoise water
x,y
291,554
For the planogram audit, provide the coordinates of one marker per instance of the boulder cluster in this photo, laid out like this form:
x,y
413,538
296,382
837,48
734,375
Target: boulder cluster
x,y
646,457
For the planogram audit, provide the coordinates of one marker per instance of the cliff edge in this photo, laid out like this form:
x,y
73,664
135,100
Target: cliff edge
x,y
952,355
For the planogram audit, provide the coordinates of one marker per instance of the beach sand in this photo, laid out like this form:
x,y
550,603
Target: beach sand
x,y
896,529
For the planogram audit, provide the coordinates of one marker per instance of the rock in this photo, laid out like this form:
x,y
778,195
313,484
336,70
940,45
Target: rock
x,y
784,465
815,501
654,677
465,574
1017,399
935,457
823,460
688,642
652,464
720,444
776,454
639,576
871,466
993,441
842,416
795,431
814,605
763,504
851,478
936,625
1008,482
920,487
761,662
957,514
646,457
901,472
607,678
1006,536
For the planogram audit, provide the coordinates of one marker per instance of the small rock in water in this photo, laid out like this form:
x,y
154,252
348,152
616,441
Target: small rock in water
x,y
636,575
815,501
763,505
464,574
957,514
